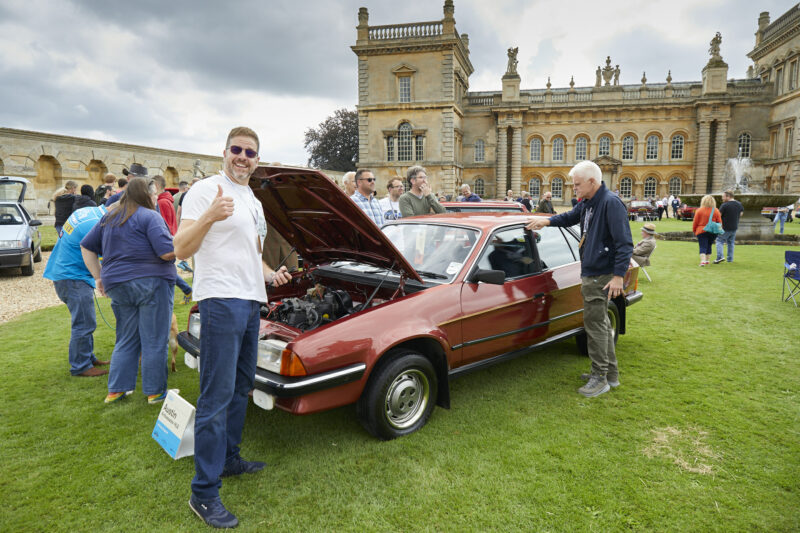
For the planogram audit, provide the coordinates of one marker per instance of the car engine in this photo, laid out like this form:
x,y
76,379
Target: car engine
x,y
319,306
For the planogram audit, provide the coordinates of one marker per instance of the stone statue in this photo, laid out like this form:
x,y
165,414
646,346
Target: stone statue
x,y
512,61
597,80
714,48
196,172
608,71
616,75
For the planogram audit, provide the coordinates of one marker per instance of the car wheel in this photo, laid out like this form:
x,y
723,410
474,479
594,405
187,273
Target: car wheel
x,y
399,397
37,257
613,317
27,270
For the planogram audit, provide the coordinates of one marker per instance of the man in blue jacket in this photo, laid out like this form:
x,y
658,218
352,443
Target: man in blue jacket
x,y
606,247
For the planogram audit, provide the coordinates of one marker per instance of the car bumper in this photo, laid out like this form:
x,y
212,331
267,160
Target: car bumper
x,y
632,298
291,387
15,257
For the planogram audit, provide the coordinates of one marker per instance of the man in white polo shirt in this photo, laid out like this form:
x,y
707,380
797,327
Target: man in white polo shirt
x,y
220,227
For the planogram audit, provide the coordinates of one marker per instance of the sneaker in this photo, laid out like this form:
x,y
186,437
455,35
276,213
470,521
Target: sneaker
x,y
154,399
613,383
114,397
240,466
183,265
187,298
596,386
213,513
718,260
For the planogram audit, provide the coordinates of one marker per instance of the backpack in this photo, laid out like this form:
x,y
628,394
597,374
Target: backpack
x,y
100,194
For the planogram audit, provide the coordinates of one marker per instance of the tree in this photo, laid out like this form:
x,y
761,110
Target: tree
x,y
334,144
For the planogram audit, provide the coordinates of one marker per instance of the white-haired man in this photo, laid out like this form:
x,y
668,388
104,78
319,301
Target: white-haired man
x,y
349,183
606,247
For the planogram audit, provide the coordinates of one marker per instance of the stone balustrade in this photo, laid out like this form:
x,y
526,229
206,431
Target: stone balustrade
x,y
405,31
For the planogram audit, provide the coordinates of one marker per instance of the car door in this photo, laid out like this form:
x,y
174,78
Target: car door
x,y
501,318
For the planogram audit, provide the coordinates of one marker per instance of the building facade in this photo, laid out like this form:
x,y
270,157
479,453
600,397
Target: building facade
x,y
652,139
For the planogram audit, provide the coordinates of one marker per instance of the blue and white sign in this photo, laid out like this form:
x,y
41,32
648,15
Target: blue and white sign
x,y
174,429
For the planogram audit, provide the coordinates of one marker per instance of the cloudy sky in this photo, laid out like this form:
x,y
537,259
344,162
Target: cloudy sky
x,y
178,74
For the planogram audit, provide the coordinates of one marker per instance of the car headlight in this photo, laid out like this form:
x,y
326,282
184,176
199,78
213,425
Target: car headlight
x,y
11,244
269,354
194,325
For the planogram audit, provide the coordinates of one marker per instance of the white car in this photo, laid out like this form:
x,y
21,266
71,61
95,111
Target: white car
x,y
20,240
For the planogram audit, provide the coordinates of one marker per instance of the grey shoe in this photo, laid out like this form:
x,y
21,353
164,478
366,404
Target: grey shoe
x,y
614,383
596,386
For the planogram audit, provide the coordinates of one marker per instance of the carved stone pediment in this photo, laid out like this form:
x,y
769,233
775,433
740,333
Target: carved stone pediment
x,y
607,163
404,68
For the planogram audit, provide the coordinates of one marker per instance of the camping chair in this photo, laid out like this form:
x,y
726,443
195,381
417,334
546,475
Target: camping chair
x,y
641,267
791,276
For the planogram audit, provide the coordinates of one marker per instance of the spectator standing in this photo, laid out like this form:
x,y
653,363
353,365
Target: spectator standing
x,y
165,208
509,196
85,199
349,184
135,171
668,204
730,211
364,196
183,186
138,273
780,217
605,249
74,286
703,215
219,226
419,200
468,195
546,204
526,201
390,206
676,204
64,200
660,208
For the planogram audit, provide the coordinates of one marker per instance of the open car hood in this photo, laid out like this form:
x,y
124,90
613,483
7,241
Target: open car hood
x,y
12,188
316,217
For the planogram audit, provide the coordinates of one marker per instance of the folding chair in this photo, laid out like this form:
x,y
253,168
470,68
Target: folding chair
x,y
791,276
641,267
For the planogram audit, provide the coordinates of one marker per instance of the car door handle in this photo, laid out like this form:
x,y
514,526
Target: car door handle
x,y
537,295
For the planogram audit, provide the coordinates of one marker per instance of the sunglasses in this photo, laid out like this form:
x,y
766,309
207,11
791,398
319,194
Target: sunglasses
x,y
367,179
236,150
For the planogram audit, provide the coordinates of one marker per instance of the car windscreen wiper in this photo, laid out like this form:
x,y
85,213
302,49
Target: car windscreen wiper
x,y
434,275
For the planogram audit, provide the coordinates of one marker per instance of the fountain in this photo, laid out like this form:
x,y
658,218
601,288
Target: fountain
x,y
752,225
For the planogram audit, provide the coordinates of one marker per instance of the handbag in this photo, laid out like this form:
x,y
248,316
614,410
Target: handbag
x,y
713,227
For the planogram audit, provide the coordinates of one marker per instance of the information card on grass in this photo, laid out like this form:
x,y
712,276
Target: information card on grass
x,y
174,429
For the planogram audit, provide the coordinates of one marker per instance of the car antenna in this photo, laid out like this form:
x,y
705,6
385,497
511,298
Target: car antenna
x,y
371,296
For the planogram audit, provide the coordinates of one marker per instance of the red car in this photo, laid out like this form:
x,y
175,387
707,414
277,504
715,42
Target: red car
x,y
484,207
642,209
385,319
686,212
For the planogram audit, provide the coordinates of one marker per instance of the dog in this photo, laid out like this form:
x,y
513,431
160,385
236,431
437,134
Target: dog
x,y
173,340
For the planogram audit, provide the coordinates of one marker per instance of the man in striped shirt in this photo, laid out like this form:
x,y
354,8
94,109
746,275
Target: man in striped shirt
x,y
364,197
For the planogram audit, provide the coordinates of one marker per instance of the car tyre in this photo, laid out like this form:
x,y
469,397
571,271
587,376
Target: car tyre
x,y
27,270
613,316
37,257
400,395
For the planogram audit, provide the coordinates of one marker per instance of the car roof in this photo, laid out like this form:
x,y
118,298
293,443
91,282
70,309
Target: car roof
x,y
481,221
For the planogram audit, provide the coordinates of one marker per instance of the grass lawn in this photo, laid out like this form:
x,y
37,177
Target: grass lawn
x,y
702,435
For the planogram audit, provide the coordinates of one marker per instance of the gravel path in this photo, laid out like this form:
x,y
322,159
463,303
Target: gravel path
x,y
21,294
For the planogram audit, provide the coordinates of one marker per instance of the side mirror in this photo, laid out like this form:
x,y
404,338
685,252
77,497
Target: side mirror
x,y
495,277
35,222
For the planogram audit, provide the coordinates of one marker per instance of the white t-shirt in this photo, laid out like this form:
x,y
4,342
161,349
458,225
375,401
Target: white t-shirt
x,y
390,209
228,263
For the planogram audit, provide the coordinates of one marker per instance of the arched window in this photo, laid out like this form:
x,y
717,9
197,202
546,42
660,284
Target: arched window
x,y
558,150
404,143
480,187
675,186
744,145
479,151
677,146
650,187
536,149
627,147
534,187
580,148
604,146
625,187
557,188
652,147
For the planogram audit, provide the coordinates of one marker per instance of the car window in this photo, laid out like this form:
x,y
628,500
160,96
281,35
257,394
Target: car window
x,y
9,215
553,248
572,235
435,251
510,251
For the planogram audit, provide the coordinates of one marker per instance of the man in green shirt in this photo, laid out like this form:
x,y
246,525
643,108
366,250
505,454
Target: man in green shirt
x,y
419,200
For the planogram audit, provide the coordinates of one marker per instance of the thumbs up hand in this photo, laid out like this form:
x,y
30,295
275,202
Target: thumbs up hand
x,y
222,206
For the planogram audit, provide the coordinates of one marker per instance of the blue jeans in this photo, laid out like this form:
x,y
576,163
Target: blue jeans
x,y
780,217
726,238
182,285
79,297
705,239
228,355
143,309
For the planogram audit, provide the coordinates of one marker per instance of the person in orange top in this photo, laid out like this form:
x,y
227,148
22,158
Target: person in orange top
x,y
701,217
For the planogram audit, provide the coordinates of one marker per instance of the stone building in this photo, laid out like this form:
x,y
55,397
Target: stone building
x,y
650,139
